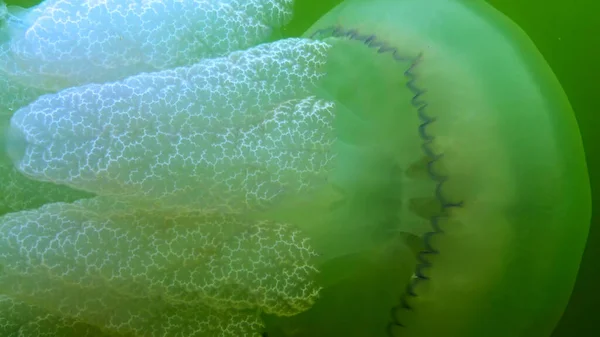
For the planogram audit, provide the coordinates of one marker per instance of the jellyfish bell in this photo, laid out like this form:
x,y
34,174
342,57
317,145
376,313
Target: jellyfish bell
x,y
456,99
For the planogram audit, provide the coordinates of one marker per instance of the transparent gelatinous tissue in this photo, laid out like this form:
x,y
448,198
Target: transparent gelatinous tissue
x,y
61,43
424,147
128,270
488,153
225,134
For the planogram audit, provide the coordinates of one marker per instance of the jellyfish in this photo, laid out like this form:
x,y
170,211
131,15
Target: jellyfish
x,y
46,48
424,146
103,263
456,95
61,43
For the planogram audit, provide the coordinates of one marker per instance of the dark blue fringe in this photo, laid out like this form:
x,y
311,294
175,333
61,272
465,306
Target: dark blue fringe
x,y
371,41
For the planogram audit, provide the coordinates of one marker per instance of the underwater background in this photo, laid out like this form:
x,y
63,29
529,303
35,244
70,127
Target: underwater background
x,y
568,35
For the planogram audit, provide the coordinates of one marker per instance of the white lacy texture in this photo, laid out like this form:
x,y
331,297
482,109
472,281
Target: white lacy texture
x,y
62,43
226,134
106,264
18,192
148,105
18,319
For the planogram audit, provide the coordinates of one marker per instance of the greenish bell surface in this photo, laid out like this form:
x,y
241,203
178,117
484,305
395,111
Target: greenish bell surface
x,y
455,99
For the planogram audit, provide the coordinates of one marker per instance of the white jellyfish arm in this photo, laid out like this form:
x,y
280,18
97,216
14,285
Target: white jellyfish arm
x,y
61,43
13,94
18,192
106,264
19,319
103,244
226,134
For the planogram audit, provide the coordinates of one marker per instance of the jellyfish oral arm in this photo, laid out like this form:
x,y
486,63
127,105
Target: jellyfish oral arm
x,y
63,43
243,130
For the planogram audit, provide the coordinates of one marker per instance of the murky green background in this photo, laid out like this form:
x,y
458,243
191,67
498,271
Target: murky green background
x,y
567,32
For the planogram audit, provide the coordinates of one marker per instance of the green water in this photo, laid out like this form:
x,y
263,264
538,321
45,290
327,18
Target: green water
x,y
568,35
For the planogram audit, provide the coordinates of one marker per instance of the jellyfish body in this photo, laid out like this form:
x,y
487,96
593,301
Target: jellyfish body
x,y
58,43
431,119
457,98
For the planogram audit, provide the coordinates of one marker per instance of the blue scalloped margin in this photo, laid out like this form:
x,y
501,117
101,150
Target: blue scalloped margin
x,y
372,41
